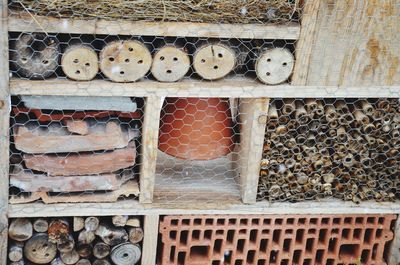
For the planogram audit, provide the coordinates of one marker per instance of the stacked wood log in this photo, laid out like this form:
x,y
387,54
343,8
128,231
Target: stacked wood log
x,y
78,240
317,148
167,58
73,155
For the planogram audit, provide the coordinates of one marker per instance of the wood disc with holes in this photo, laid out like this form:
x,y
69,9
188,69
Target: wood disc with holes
x,y
214,61
80,62
125,61
274,66
34,55
170,64
38,249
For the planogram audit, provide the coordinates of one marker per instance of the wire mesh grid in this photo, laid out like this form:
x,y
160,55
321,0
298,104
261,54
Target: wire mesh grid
x,y
74,149
76,240
342,148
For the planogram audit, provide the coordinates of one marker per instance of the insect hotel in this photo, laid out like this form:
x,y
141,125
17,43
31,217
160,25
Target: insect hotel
x,y
199,132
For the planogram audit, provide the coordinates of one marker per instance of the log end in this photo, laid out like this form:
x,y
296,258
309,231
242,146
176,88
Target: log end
x,y
80,63
170,64
125,61
274,66
214,61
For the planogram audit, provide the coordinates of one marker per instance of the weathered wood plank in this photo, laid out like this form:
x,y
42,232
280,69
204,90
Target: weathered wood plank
x,y
82,164
149,148
4,125
253,120
230,87
150,239
131,188
55,138
29,182
349,43
124,27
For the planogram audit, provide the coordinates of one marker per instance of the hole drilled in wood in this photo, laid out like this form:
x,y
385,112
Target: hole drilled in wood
x,y
76,61
111,59
140,62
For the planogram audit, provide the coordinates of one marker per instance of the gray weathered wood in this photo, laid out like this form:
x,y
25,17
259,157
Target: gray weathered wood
x,y
150,240
4,125
149,148
124,104
253,117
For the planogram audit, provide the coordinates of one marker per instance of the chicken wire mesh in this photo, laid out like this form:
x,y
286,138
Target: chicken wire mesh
x,y
74,149
148,58
76,240
342,148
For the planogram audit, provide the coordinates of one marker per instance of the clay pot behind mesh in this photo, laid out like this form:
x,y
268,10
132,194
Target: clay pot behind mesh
x,y
196,128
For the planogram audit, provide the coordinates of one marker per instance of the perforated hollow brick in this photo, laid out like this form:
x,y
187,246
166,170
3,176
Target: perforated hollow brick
x,y
275,239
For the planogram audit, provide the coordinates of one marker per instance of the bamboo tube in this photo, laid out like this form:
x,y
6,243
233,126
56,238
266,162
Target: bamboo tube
x,y
35,55
272,113
274,65
170,62
80,62
330,113
125,61
366,107
288,106
301,113
341,107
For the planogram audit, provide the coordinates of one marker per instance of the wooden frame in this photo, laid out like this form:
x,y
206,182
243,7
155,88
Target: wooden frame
x,y
255,93
4,125
25,23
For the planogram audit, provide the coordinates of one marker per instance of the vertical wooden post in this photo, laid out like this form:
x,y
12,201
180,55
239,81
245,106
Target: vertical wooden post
x,y
150,239
394,254
149,148
253,119
4,125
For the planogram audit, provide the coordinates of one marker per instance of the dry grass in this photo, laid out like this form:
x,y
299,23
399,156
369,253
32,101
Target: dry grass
x,y
217,11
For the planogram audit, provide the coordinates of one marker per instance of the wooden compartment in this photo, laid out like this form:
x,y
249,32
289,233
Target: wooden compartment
x,y
75,149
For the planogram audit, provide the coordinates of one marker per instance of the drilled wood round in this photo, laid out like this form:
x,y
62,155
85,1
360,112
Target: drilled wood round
x,y
35,55
125,254
39,249
125,61
274,66
80,62
170,64
214,61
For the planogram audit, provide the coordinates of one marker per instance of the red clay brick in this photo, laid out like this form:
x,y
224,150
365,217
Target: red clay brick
x,y
275,239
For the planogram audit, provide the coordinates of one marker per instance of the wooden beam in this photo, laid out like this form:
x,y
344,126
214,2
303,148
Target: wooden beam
x,y
25,23
4,126
150,240
149,148
253,120
132,207
230,87
394,253
349,44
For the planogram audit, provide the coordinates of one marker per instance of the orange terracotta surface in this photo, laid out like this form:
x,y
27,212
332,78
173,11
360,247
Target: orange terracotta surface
x,y
196,128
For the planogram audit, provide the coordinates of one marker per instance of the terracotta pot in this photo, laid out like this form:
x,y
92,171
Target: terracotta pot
x,y
196,128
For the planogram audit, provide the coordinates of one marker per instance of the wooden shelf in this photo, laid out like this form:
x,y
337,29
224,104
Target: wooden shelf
x,y
131,207
230,87
25,23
